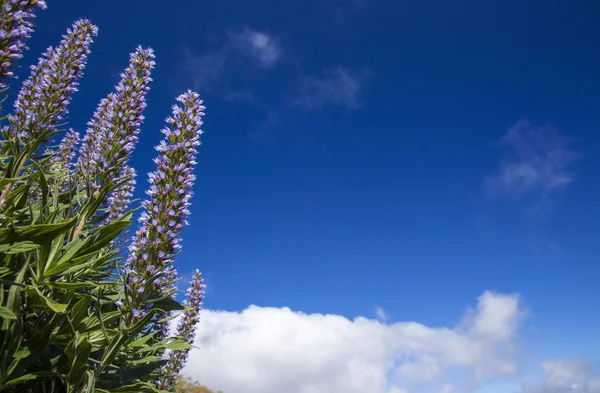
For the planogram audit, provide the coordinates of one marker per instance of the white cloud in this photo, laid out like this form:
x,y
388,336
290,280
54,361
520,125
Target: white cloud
x,y
567,376
338,86
496,318
273,350
259,45
537,160
381,314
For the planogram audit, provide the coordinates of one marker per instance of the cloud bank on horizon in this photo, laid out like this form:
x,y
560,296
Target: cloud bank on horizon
x,y
270,350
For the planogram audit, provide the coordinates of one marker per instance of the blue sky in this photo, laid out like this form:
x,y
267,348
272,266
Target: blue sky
x,y
408,155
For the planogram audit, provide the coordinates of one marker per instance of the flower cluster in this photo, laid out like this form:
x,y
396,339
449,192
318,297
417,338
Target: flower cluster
x,y
89,151
165,212
61,162
15,27
44,96
187,324
113,131
119,200
186,330
66,149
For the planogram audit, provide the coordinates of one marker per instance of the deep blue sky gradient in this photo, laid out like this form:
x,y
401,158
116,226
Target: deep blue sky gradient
x,y
338,210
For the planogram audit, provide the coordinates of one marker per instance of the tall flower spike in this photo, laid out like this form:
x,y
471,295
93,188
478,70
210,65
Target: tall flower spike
x,y
186,330
44,96
113,131
157,240
59,164
98,126
65,151
15,27
119,200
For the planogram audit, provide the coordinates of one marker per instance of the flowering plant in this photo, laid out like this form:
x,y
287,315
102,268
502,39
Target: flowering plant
x,y
83,308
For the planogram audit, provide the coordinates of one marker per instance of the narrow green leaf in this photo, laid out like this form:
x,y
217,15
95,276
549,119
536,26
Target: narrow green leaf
x,y
166,303
72,285
34,233
5,313
53,305
30,377
18,247
6,181
78,352
140,387
91,382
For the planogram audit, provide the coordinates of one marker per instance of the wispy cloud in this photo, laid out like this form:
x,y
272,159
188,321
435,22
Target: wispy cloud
x,y
204,70
537,160
258,45
211,71
566,376
338,86
381,314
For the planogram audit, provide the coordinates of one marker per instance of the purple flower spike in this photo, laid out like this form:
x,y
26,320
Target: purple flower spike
x,y
15,27
45,95
113,131
187,324
158,235
119,200
65,152
186,330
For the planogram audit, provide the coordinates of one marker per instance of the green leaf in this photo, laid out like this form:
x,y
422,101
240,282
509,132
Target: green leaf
x,y
93,322
143,368
142,341
105,234
90,261
22,354
177,344
6,181
72,285
98,340
80,310
78,352
37,343
75,266
139,387
91,382
18,247
5,313
70,250
30,377
19,194
51,304
55,250
35,233
167,304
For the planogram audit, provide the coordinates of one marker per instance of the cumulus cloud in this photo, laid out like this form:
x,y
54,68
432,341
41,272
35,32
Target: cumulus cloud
x,y
274,350
338,86
566,376
536,160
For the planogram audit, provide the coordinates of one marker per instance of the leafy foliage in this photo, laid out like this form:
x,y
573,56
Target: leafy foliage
x,y
71,320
